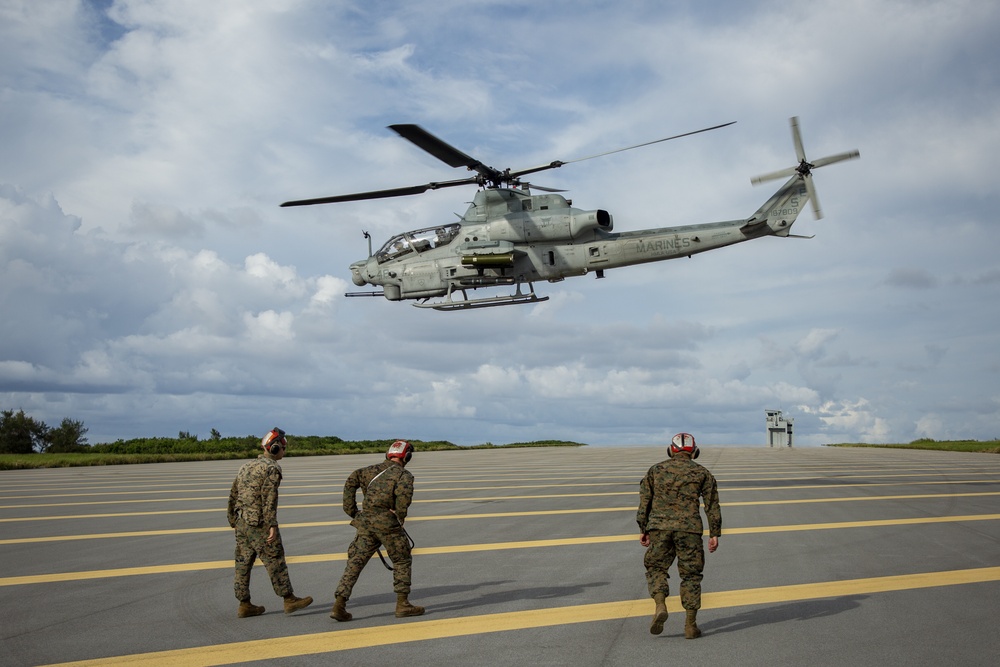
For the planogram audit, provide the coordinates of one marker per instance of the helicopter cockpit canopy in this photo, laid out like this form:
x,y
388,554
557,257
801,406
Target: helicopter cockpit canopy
x,y
417,241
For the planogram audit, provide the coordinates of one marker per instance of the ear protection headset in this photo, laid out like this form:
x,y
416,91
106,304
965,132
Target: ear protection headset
x,y
683,442
400,449
274,441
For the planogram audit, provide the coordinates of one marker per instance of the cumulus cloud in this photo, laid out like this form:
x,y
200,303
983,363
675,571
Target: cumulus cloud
x,y
157,286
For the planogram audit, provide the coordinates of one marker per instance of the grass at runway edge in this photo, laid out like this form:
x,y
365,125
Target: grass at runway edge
x,y
79,459
986,447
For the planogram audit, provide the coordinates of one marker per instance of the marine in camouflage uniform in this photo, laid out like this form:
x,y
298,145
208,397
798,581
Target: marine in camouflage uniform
x,y
387,488
670,523
253,513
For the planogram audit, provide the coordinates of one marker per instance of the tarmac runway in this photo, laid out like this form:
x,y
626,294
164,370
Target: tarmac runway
x,y
828,556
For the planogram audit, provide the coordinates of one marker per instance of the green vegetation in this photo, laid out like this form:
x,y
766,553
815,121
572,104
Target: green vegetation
x,y
534,443
189,448
21,434
987,446
29,443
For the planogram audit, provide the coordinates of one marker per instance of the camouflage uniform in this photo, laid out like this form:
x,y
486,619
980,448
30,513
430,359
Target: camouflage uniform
x,y
253,509
668,511
388,490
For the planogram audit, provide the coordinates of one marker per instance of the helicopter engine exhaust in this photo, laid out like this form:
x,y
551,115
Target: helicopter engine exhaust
x,y
585,221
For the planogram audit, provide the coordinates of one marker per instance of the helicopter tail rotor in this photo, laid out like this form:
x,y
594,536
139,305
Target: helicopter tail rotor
x,y
804,168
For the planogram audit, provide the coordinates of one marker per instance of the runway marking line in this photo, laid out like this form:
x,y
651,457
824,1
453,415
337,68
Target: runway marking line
x,y
739,503
727,489
429,483
471,548
344,522
338,640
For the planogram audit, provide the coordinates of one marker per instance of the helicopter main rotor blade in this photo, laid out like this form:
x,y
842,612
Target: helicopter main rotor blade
x,y
488,176
444,151
381,194
558,163
436,147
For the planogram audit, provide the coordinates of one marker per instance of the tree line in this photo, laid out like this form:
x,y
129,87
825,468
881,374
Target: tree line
x,y
22,434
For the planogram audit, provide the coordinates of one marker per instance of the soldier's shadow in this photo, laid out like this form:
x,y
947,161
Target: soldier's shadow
x,y
467,593
509,595
792,611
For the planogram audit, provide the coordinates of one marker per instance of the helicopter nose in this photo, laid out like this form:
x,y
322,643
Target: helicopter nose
x,y
357,277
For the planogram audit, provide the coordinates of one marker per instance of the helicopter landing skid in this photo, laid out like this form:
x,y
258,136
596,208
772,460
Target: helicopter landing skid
x,y
466,303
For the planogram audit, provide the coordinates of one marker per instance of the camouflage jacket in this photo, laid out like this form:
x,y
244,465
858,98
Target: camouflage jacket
x,y
387,488
254,495
668,498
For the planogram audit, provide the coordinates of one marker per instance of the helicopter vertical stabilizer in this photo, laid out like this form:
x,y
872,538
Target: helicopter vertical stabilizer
x,y
783,208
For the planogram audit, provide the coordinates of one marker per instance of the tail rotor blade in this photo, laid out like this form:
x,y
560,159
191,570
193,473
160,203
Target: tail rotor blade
x,y
800,152
774,175
803,170
839,157
811,191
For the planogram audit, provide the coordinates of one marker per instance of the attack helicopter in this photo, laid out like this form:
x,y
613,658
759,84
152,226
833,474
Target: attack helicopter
x,y
509,237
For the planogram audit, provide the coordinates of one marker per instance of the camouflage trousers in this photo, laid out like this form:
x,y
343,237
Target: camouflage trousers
x,y
251,543
363,548
689,550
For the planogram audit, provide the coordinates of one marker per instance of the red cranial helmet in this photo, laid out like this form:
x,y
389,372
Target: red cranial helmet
x,y
400,449
274,441
683,442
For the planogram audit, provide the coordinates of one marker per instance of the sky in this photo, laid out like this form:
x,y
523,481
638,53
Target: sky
x,y
151,284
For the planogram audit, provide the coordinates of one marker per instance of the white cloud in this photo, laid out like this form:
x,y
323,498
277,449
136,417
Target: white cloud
x,y
158,287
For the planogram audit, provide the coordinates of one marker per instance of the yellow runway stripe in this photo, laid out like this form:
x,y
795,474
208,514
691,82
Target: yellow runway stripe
x,y
334,641
310,524
469,548
159,533
741,503
438,517
487,488
430,485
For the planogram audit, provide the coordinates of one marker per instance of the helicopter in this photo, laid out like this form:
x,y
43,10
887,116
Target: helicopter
x,y
509,237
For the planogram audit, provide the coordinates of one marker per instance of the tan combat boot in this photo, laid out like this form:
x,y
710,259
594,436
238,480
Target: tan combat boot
x,y
404,608
293,603
659,615
247,610
691,630
339,611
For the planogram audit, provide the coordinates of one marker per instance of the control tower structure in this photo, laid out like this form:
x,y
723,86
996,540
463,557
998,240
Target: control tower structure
x,y
779,429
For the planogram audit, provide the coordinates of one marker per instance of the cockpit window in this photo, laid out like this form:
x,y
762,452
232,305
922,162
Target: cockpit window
x,y
417,241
